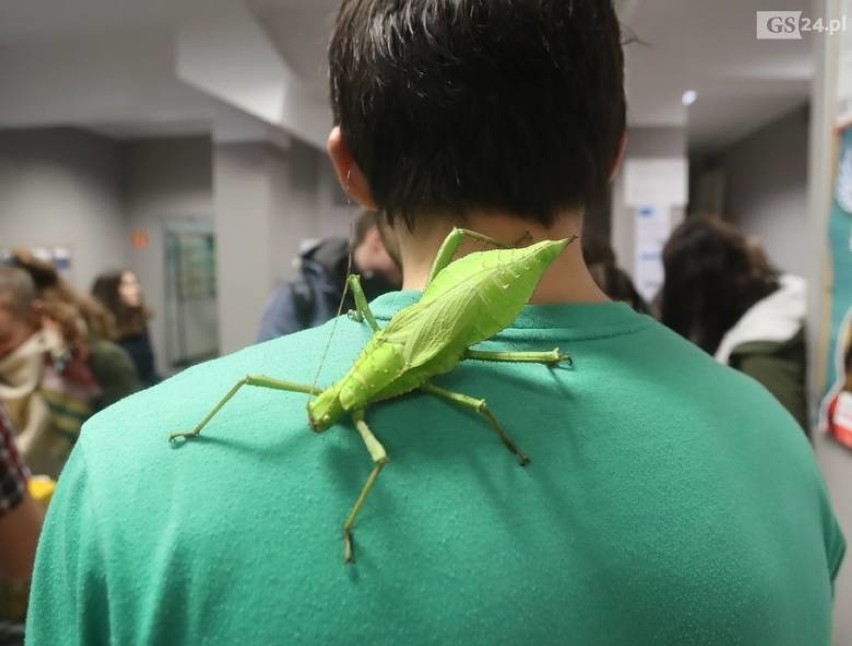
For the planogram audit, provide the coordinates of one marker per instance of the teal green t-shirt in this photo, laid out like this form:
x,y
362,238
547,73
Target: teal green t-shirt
x,y
669,500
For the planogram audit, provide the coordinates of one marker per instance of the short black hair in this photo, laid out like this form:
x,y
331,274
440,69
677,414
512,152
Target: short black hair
x,y
452,105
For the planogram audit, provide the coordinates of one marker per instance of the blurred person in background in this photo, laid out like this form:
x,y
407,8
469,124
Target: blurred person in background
x,y
88,330
26,348
316,296
121,294
721,293
612,279
20,525
20,514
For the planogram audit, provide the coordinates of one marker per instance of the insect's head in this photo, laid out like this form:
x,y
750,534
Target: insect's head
x,y
324,411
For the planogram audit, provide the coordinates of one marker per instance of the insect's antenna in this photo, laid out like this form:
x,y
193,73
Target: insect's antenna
x,y
341,303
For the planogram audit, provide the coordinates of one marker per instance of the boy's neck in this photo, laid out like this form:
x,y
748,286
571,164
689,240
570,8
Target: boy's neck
x,y
566,281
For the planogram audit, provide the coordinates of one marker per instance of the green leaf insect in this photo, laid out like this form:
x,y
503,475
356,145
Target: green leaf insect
x,y
465,302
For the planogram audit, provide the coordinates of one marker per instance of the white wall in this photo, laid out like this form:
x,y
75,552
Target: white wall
x,y
62,187
767,188
642,143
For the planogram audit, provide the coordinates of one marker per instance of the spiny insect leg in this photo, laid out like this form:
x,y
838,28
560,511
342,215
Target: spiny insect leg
x,y
260,381
481,407
554,356
362,307
380,459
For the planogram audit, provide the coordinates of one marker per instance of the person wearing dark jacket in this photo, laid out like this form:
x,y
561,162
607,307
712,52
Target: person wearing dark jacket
x,y
316,296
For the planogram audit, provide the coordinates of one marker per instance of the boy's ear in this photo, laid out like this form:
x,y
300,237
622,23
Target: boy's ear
x,y
619,158
348,172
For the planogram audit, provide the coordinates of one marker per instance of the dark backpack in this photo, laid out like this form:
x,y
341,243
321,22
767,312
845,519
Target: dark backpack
x,y
304,303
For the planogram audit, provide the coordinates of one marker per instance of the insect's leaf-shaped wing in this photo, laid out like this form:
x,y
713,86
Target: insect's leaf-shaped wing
x,y
430,332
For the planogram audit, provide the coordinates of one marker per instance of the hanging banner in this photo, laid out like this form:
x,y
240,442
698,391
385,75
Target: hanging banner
x,y
836,410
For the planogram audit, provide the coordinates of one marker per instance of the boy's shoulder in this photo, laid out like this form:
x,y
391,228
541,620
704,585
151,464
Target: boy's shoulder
x,y
185,398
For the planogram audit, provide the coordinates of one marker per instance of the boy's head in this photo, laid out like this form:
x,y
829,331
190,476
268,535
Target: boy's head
x,y
446,106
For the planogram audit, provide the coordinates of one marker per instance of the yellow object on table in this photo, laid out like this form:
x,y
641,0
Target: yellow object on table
x,y
41,489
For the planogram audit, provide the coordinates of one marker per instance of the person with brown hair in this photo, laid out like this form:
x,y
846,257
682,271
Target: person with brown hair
x,y
25,350
102,371
121,294
721,293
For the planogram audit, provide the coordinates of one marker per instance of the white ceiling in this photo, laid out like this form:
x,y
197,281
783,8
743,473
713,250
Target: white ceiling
x,y
109,64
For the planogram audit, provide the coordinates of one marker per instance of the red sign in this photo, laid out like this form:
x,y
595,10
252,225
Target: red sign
x,y
139,239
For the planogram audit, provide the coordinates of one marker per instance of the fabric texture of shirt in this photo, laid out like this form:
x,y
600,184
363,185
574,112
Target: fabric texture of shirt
x,y
669,500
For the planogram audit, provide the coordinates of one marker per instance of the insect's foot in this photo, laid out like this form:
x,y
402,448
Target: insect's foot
x,y
561,357
523,458
355,315
348,547
176,439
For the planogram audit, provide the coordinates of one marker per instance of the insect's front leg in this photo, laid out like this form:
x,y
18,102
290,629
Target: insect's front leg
x,y
260,381
362,307
380,459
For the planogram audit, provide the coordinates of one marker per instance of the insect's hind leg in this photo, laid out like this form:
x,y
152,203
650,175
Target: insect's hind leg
x,y
481,407
380,459
261,381
552,357
362,307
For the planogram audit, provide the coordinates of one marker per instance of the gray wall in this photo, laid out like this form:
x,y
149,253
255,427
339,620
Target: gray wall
x,y
164,180
88,193
766,176
63,187
267,201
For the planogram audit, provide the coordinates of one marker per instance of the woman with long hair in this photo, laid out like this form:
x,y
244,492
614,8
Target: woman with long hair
x,y
120,293
722,294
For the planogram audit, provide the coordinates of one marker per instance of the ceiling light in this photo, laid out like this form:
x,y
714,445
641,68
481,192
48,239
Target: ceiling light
x,y
689,97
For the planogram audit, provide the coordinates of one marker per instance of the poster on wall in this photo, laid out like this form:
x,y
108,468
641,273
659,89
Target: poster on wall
x,y
836,409
653,227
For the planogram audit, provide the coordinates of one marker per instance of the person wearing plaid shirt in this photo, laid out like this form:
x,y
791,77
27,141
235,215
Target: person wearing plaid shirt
x,y
20,515
13,472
